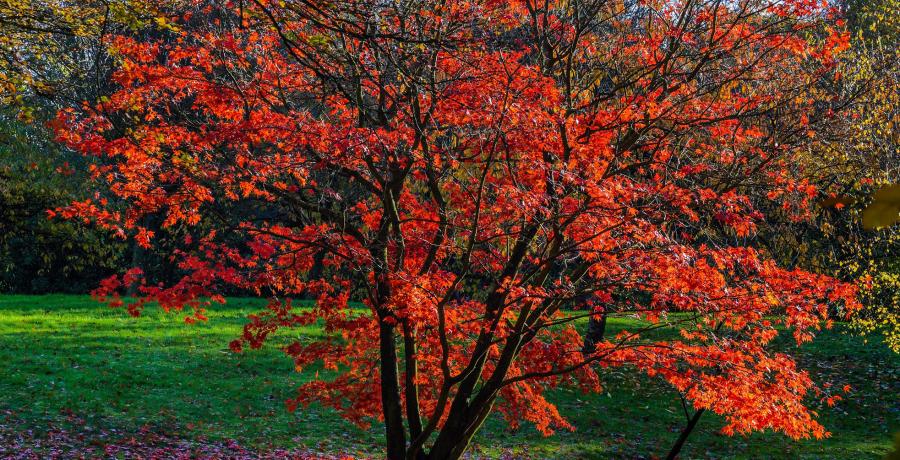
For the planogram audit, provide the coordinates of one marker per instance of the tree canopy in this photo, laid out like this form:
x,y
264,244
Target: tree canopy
x,y
481,175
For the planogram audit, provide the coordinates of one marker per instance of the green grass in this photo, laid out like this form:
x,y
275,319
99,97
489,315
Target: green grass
x,y
64,355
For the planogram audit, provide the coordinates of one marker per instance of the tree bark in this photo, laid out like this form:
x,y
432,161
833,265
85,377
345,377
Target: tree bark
x,y
596,329
413,417
682,438
390,394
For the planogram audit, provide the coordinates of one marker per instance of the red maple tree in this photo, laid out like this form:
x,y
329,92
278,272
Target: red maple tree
x,y
482,175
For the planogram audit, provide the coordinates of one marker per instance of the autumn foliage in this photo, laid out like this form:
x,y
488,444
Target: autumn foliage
x,y
483,176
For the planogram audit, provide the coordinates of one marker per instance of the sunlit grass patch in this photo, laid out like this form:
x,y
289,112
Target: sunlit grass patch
x,y
63,355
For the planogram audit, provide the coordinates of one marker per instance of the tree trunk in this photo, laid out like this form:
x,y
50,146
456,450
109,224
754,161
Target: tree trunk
x,y
455,438
452,442
682,438
458,420
318,266
595,331
137,260
390,395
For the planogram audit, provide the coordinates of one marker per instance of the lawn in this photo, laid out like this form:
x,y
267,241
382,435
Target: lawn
x,y
67,361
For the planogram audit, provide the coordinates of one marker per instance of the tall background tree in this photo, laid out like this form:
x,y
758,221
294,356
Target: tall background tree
x,y
54,48
855,166
873,68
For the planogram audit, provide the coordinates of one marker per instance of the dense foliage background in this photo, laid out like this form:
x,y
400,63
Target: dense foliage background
x,y
38,254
